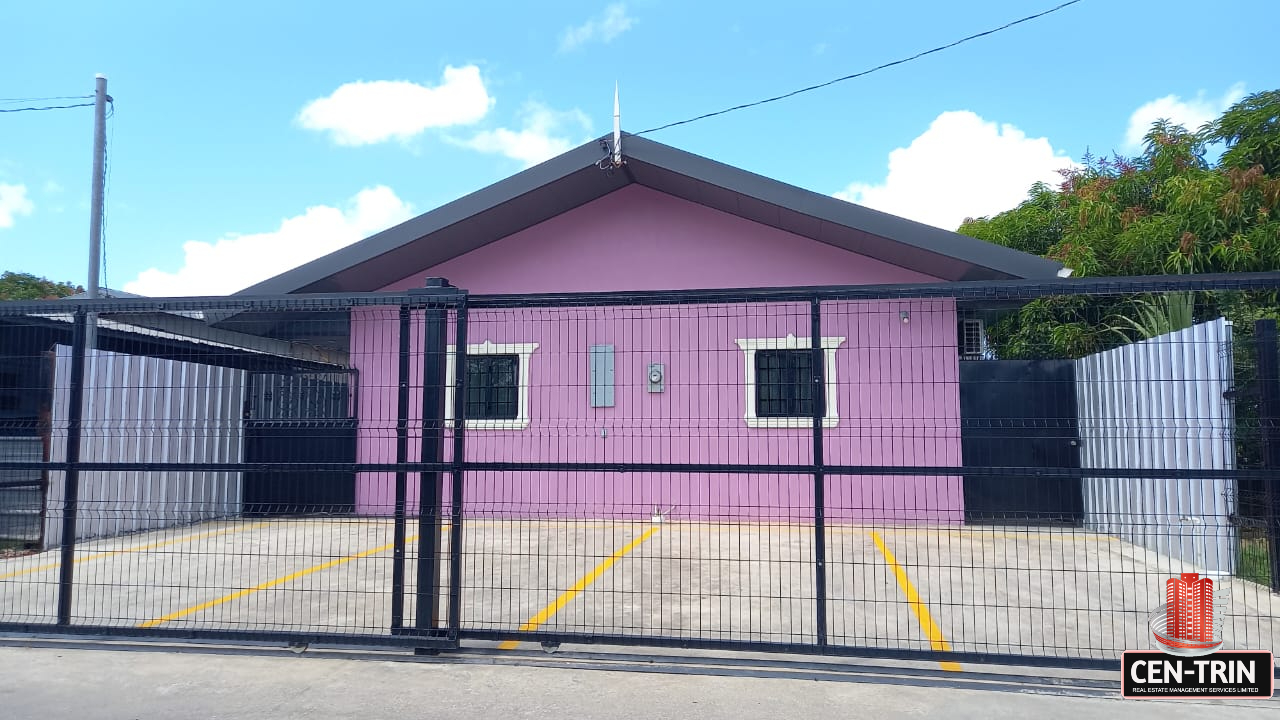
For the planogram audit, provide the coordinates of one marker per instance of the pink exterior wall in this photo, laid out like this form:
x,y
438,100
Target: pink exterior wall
x,y
641,239
897,384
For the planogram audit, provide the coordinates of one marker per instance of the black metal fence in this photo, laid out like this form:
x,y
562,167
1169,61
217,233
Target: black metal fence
x,y
966,472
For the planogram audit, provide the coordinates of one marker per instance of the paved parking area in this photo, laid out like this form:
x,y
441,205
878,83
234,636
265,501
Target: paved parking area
x,y
995,590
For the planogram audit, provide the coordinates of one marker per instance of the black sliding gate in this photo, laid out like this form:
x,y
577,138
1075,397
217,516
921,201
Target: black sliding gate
x,y
997,397
796,470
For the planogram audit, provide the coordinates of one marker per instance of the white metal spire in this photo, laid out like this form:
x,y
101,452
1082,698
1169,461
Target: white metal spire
x,y
617,128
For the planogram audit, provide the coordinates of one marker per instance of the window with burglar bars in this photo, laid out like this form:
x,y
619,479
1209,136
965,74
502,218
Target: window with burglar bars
x,y
971,339
492,386
784,386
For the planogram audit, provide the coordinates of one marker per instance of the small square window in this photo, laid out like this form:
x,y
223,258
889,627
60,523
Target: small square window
x,y
497,379
493,386
779,382
784,383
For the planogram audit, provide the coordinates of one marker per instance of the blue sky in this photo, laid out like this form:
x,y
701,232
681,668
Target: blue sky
x,y
250,137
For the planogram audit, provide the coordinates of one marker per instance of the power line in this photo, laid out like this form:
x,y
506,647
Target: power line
x,y
9,101
864,72
47,107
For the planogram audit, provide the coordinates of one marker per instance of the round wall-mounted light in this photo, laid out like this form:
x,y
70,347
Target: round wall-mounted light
x,y
906,317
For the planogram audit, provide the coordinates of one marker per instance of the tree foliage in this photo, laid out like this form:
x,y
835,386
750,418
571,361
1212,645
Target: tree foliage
x,y
24,286
1251,130
1167,210
1157,316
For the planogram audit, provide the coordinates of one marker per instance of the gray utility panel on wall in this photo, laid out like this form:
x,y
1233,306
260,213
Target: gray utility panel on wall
x,y
601,376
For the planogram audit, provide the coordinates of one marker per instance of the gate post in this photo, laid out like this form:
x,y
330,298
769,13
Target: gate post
x,y
71,478
1268,348
434,340
402,456
459,458
818,366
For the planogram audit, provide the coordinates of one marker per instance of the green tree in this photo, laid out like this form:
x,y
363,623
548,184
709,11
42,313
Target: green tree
x,y
1251,131
24,286
1167,210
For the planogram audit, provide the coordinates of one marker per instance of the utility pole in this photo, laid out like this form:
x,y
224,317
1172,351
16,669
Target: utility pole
x,y
95,210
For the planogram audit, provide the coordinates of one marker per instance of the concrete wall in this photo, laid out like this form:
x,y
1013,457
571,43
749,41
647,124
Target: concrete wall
x,y
895,388
895,385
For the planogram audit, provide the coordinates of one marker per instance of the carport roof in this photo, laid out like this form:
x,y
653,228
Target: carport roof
x,y
576,178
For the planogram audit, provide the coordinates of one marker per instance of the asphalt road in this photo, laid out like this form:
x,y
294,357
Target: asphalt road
x,y
51,683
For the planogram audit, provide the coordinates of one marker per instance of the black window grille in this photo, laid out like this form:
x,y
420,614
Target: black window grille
x,y
784,383
492,385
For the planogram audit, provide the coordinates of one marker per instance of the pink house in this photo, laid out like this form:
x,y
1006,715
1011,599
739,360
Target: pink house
x,y
693,383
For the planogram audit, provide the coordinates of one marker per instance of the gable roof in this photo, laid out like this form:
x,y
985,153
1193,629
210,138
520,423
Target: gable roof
x,y
575,178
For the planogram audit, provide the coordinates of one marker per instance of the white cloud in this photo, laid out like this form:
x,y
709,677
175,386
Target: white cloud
x,y
13,202
962,166
1190,114
52,187
236,261
362,113
608,25
544,133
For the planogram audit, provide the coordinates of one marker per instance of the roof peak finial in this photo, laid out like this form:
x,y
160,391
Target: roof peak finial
x,y
617,128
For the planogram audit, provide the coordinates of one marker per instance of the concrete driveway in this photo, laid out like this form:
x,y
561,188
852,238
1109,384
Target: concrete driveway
x,y
1001,590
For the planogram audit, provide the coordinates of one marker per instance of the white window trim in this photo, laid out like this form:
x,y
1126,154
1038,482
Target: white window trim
x,y
524,350
790,342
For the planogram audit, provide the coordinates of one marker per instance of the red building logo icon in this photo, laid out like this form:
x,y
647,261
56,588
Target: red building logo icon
x,y
1191,625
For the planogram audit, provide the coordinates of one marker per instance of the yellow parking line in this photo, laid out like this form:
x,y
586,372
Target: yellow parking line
x,y
269,584
140,548
840,528
931,630
1004,535
547,612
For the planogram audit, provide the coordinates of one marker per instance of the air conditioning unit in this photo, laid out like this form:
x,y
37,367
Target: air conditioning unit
x,y
973,339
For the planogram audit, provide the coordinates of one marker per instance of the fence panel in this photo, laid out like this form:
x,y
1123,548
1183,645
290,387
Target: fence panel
x,y
148,410
1156,404
577,520
957,473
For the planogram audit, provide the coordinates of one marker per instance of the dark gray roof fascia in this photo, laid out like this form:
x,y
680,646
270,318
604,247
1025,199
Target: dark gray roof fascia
x,y
573,179
1012,263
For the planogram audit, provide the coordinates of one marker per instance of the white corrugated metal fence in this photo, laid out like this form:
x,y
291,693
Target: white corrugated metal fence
x,y
144,409
1159,404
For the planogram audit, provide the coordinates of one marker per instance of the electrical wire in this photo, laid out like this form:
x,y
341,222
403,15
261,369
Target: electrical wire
x,y
10,101
793,93
47,107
